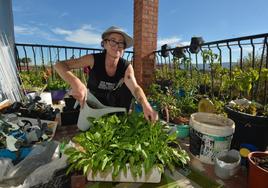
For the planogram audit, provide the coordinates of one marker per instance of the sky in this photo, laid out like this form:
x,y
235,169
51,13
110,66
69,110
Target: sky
x,y
81,22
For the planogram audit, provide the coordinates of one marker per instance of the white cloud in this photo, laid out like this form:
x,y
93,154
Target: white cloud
x,y
172,41
85,35
24,30
62,31
34,31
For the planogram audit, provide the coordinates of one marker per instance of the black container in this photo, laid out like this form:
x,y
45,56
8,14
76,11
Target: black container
x,y
69,103
248,129
69,115
69,118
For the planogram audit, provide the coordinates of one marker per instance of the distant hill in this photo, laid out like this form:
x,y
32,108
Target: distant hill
x,y
224,65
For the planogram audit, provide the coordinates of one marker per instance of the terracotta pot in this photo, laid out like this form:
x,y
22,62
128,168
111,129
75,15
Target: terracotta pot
x,y
257,176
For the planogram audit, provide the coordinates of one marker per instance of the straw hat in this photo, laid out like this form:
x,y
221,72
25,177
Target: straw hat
x,y
114,29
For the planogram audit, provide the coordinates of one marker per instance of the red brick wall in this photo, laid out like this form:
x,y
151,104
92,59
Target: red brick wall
x,y
145,39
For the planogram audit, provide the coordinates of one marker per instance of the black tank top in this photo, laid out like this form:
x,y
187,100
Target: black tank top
x,y
99,83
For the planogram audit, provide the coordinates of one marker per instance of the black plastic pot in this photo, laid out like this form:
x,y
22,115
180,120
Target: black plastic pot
x,y
249,129
69,116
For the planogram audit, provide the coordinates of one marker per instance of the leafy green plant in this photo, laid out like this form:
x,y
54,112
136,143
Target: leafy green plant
x,y
34,81
244,80
174,89
115,141
57,84
187,104
166,101
253,108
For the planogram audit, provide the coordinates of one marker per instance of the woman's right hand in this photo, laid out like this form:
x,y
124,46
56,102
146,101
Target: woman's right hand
x,y
79,92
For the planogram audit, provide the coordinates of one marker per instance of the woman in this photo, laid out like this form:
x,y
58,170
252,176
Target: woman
x,y
111,78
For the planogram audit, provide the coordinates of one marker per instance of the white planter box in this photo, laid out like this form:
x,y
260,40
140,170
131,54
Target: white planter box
x,y
154,176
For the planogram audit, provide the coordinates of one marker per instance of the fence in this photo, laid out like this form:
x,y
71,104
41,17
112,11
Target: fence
x,y
30,57
239,52
242,52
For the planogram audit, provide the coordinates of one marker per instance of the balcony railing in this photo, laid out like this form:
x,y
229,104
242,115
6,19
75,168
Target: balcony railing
x,y
30,57
241,52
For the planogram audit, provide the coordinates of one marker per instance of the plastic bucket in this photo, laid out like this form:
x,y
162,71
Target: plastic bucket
x,y
183,131
227,163
209,134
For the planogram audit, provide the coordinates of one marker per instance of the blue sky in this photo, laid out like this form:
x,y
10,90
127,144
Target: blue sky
x,y
81,22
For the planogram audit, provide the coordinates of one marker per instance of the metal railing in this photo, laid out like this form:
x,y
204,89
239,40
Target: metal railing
x,y
30,57
232,52
240,52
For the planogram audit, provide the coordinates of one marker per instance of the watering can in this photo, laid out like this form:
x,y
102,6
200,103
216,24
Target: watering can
x,y
95,109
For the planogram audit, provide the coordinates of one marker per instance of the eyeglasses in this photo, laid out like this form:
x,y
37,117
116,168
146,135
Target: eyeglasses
x,y
113,43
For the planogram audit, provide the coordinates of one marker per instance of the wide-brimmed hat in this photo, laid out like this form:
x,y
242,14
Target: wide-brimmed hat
x,y
114,29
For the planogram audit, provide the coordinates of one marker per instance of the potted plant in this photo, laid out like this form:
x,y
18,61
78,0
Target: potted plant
x,y
250,117
165,101
33,81
124,148
58,88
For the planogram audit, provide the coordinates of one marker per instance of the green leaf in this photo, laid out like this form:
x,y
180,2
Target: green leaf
x,y
69,151
104,162
89,136
70,168
116,169
144,154
86,168
114,145
160,168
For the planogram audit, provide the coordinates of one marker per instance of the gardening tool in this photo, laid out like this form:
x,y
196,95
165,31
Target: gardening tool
x,y
94,108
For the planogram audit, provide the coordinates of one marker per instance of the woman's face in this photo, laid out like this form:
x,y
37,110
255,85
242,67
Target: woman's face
x,y
114,45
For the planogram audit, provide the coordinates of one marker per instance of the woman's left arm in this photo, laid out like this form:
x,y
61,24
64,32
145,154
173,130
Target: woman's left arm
x,y
139,95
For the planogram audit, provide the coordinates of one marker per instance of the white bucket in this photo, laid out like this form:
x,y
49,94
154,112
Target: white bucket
x,y
209,134
227,163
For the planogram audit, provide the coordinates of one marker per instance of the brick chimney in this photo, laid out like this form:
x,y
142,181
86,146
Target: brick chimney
x,y
145,40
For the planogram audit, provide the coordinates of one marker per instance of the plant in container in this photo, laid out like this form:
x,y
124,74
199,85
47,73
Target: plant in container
x,y
166,102
176,98
125,148
250,117
57,87
34,80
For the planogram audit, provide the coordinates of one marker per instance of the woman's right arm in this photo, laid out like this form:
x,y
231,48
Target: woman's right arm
x,y
64,68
